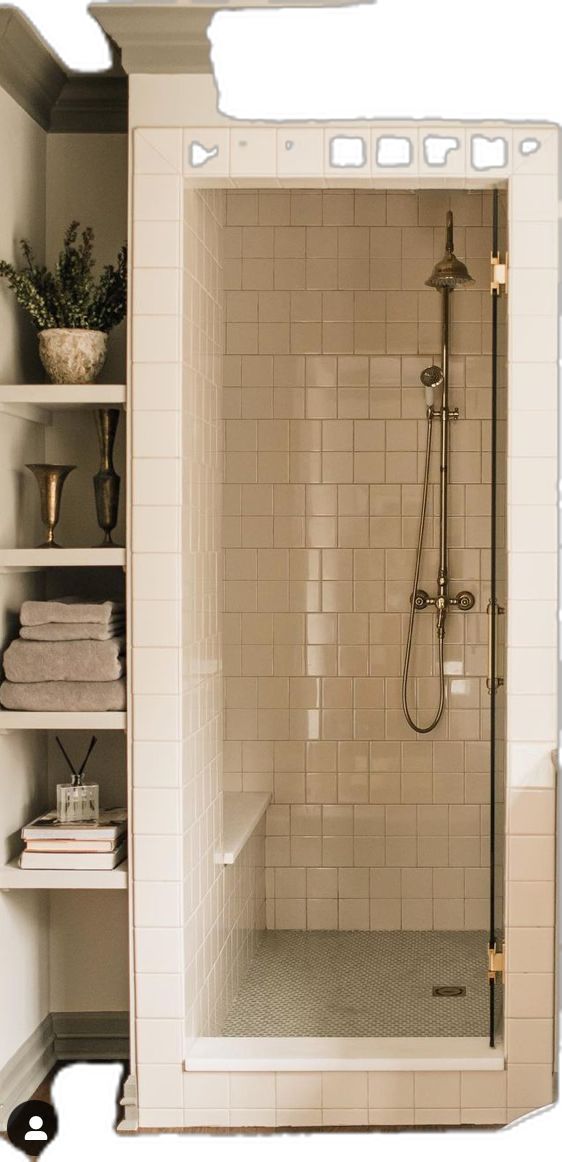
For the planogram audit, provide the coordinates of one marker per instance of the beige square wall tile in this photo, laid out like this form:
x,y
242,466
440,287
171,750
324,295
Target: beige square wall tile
x,y
299,1090
529,1086
437,1116
344,1117
344,1090
302,1118
529,994
531,950
260,1116
531,857
530,1041
530,904
201,1090
483,1088
391,1116
438,1090
256,1090
391,1089
475,1116
531,812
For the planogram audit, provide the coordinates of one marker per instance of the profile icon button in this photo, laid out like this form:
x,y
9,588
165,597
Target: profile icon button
x,y
31,1126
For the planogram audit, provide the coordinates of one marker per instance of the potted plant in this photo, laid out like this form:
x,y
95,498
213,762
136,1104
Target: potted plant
x,y
71,311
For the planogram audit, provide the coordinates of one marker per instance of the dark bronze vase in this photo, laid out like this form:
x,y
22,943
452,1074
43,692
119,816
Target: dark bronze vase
x,y
106,481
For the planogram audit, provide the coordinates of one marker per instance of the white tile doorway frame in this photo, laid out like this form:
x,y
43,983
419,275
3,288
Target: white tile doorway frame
x,y
163,158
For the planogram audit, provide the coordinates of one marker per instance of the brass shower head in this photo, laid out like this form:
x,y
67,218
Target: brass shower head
x,y
449,272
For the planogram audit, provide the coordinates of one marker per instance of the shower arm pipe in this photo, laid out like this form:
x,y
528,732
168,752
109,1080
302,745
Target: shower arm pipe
x,y
443,576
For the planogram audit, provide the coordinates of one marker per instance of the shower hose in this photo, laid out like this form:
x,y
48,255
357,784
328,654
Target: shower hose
x,y
440,632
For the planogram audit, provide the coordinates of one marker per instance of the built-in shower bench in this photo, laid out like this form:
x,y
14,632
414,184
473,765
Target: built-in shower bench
x,y
242,811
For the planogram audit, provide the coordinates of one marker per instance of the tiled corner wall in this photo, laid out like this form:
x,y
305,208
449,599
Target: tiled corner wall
x,y
195,920
167,1096
328,326
222,906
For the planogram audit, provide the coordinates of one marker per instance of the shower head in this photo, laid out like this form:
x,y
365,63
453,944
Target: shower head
x,y
449,272
431,377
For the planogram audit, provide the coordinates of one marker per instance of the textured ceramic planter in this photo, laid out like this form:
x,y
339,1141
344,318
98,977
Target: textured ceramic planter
x,y
72,355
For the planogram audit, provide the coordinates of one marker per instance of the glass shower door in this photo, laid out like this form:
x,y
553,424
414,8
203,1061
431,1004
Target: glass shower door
x,y
496,611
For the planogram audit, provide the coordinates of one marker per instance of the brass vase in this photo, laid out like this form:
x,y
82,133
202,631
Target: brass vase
x,y
106,481
50,479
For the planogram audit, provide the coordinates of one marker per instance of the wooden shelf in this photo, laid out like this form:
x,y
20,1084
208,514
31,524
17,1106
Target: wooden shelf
x,y
24,559
13,877
36,402
58,720
242,812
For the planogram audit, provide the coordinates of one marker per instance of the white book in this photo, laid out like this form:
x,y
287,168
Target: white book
x,y
81,861
76,846
111,825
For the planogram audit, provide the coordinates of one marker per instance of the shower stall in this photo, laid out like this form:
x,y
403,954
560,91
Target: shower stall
x,y
346,599
320,886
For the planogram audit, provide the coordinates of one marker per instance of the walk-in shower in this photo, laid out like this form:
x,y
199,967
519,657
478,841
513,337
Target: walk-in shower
x,y
447,274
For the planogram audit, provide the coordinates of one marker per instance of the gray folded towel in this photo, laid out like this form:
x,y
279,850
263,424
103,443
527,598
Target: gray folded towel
x,y
56,631
69,609
64,696
75,661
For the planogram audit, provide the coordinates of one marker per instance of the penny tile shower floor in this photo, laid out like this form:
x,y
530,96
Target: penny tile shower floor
x,y
363,984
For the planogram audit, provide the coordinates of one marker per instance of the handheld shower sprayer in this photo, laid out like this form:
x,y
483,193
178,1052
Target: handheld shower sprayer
x,y
432,378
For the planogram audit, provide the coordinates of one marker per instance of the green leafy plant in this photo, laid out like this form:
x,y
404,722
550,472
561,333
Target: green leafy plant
x,y
69,296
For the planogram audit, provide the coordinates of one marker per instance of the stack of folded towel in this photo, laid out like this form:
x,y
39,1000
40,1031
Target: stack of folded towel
x,y
70,656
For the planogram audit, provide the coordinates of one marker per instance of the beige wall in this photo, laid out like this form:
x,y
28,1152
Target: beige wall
x,y
24,964
87,180
328,326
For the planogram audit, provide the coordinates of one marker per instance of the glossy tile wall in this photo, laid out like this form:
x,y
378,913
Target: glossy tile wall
x,y
195,920
328,326
221,909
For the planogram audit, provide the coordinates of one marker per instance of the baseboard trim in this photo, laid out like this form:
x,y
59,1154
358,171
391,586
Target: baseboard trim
x,y
91,1036
29,1065
61,1037
129,1123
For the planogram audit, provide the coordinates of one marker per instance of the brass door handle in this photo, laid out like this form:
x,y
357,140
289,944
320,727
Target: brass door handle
x,y
493,610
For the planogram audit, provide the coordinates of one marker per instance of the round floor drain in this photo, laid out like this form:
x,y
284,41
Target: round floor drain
x,y
449,990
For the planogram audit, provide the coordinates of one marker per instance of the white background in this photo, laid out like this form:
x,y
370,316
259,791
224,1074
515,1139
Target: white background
x,y
401,58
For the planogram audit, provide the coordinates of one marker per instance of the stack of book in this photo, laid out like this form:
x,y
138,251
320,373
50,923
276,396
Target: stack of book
x,y
54,846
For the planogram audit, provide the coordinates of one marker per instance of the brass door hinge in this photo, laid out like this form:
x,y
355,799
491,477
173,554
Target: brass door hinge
x,y
493,610
495,962
499,274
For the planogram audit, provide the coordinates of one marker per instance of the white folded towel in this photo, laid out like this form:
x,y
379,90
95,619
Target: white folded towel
x,y
69,609
55,631
63,696
77,661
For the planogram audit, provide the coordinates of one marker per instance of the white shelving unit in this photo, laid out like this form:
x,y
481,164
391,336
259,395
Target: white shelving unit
x,y
61,558
13,877
37,401
57,720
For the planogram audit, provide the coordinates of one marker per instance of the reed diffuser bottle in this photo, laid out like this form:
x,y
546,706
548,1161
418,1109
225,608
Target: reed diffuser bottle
x,y
78,802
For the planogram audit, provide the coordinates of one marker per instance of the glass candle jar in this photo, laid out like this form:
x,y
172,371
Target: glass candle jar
x,y
78,804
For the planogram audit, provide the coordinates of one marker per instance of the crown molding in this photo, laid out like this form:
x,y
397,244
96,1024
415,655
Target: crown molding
x,y
159,38
91,103
29,71
170,36
60,101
